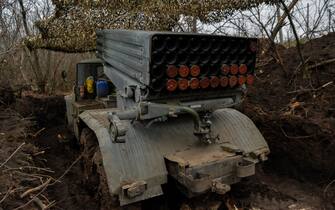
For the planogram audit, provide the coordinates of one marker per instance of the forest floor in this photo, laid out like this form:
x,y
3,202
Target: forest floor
x,y
295,111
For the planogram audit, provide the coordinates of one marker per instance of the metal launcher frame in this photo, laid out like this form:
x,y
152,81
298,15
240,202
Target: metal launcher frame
x,y
180,66
159,74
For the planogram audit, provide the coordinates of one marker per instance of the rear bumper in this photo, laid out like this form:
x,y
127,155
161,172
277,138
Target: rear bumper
x,y
198,171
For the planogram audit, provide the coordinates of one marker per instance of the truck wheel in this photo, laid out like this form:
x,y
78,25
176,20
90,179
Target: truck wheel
x,y
94,173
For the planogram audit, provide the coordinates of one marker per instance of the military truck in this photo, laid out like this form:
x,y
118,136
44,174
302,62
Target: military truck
x,y
166,111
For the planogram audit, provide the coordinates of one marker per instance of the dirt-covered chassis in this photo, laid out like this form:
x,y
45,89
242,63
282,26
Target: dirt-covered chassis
x,y
150,130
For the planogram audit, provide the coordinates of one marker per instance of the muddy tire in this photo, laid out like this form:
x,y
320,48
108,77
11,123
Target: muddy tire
x,y
94,173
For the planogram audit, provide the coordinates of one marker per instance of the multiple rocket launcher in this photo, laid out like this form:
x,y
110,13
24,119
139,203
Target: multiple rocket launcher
x,y
160,76
173,65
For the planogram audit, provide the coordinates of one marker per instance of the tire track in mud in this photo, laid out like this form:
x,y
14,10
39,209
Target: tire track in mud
x,y
70,193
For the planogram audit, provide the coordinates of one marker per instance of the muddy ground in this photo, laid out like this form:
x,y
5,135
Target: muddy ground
x,y
293,110
269,189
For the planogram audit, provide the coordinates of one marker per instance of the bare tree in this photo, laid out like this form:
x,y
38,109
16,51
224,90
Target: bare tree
x,y
20,66
32,55
287,11
311,19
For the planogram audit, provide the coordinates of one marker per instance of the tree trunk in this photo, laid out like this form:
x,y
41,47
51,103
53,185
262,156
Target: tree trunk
x,y
281,20
281,36
32,54
194,25
303,63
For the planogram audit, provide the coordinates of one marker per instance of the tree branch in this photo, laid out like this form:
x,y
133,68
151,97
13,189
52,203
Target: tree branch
x,y
287,11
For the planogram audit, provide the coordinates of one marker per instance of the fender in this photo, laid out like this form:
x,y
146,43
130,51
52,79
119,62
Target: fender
x,y
141,158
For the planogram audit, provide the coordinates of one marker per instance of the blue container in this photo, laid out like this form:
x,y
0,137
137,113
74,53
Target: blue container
x,y
102,88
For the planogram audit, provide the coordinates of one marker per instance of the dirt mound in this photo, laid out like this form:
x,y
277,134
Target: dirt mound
x,y
6,95
296,111
39,165
46,110
19,162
